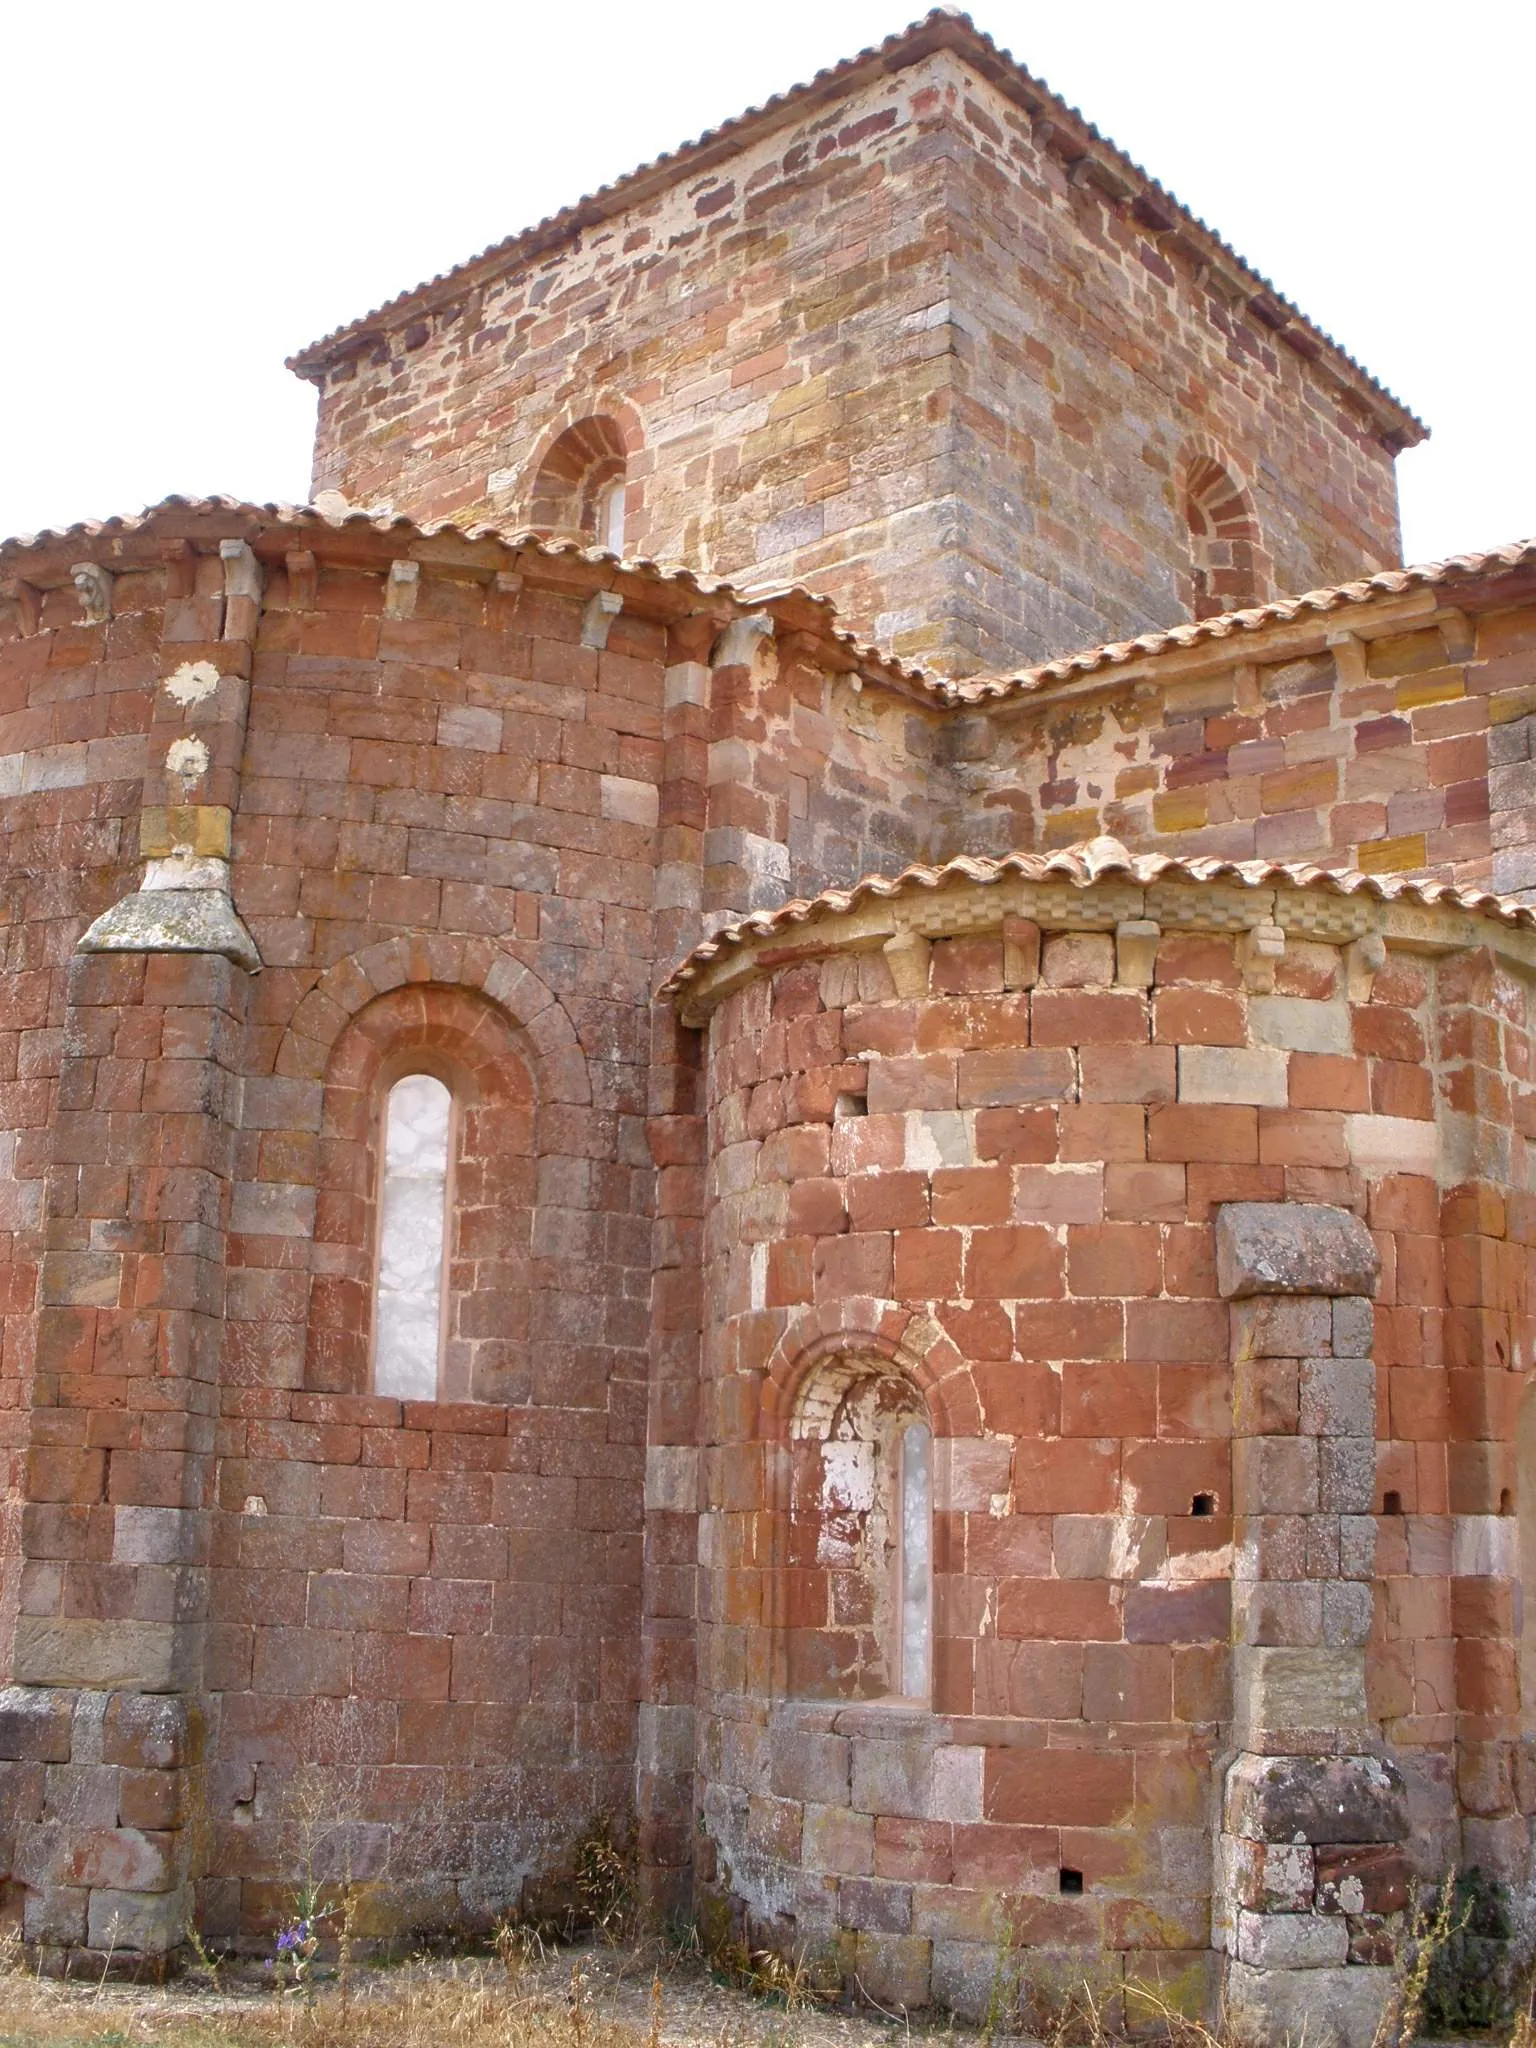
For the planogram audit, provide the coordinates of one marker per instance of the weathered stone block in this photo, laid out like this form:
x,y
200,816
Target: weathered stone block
x,y
1326,2008
35,1724
1336,1800
810,1767
1358,1878
893,1970
1293,1248
1291,1941
54,1915
1281,1692
153,1923
1338,1397
151,1731
1269,1877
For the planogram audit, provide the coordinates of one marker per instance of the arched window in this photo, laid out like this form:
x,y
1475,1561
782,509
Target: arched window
x,y
579,489
1227,562
413,1215
610,516
860,1538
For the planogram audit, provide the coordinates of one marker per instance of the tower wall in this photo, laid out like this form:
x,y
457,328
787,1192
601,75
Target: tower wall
x,y
895,348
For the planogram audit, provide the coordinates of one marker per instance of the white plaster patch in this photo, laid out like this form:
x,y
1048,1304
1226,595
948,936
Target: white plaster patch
x,y
187,758
193,683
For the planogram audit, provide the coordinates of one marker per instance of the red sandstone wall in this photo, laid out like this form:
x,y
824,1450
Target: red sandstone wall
x,y
892,351
1020,1224
1402,752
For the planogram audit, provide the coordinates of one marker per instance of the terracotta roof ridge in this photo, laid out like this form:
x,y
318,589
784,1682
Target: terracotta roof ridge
x,y
1360,590
1083,866
848,652
943,27
310,519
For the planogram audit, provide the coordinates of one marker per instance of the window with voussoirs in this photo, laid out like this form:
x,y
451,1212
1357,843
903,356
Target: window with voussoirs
x,y
409,1293
861,1537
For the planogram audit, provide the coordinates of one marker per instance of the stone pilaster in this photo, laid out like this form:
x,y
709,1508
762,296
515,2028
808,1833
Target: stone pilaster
x,y
1311,1870
102,1727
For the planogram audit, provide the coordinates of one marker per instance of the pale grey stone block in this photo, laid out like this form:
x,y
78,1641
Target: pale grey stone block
x,y
1346,1474
1233,1073
1298,1024
1357,1546
1338,1397
1277,1687
1391,1144
1328,2008
1347,1613
1292,1941
1354,1327
55,1915
143,1923
957,1784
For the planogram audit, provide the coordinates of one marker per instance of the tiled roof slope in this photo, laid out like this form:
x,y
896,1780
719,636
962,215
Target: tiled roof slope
x,y
1438,576
1096,861
942,29
970,692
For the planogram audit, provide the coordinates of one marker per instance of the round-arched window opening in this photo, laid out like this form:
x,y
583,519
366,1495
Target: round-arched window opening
x,y
413,1209
581,486
860,1536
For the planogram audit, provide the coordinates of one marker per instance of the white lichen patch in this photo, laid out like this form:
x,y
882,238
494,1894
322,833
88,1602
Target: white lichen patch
x,y
187,758
193,683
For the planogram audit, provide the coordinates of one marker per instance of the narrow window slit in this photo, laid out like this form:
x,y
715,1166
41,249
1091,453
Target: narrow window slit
x,y
408,1281
1391,1502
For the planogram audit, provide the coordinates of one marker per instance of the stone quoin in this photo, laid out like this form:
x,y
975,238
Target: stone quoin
x,y
660,1161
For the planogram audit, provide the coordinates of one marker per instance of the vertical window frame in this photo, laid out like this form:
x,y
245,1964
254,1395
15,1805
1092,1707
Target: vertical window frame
x,y
406,1068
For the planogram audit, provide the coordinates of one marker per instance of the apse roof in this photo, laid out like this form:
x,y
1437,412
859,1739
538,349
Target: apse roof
x,y
1097,860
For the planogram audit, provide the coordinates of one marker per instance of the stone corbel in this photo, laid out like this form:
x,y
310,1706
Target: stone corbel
x,y
598,615
29,607
93,584
1459,634
1364,960
739,644
502,599
1021,952
1348,651
1262,951
907,955
242,589
1136,951
401,589
180,559
303,579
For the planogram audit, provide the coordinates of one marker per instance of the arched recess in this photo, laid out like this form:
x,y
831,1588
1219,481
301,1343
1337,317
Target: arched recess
x,y
287,1233
1229,569
459,1038
581,483
857,1423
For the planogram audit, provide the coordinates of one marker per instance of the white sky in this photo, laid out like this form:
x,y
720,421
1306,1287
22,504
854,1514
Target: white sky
x,y
193,191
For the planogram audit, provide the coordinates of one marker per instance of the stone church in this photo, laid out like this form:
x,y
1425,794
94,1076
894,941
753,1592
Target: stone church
x,y
750,1095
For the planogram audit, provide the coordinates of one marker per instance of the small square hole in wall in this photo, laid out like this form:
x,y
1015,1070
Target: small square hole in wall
x,y
1071,1882
1391,1503
1203,1504
851,1105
